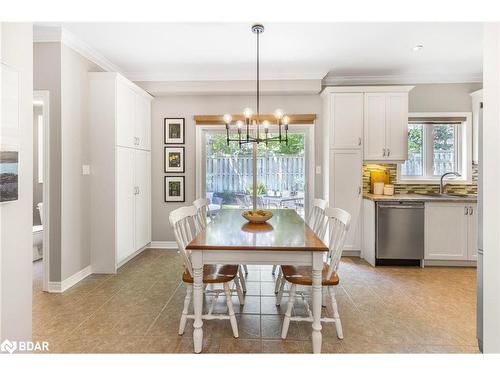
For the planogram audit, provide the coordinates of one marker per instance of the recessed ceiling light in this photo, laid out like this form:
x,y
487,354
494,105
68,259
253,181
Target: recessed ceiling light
x,y
418,47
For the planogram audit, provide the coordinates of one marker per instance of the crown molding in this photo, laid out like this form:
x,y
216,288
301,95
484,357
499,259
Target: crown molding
x,y
56,34
332,80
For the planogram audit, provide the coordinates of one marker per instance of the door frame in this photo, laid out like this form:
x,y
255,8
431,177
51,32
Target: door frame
x,y
308,130
44,96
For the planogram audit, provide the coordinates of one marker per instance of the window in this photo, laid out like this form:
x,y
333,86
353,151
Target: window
x,y
436,145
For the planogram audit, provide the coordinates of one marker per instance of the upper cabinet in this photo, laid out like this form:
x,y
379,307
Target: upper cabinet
x,y
371,118
477,103
346,121
133,116
386,126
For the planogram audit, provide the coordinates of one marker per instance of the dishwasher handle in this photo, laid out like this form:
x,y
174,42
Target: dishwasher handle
x,y
419,206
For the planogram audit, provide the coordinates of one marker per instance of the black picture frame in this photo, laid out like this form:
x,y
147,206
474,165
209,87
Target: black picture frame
x,y
174,141
182,189
183,160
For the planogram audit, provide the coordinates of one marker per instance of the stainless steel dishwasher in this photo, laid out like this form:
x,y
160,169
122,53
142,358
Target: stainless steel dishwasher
x,y
399,233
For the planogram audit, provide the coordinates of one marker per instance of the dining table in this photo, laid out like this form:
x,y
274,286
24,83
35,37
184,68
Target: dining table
x,y
283,240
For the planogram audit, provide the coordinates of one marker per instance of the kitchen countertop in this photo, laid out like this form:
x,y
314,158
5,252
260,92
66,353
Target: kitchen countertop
x,y
421,198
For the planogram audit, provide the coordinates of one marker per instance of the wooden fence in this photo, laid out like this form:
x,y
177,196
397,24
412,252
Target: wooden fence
x,y
234,173
443,162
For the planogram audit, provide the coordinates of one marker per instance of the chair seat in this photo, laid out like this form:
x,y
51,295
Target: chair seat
x,y
214,273
302,275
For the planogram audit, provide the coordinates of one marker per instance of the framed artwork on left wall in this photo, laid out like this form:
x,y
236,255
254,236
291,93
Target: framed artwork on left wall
x,y
174,189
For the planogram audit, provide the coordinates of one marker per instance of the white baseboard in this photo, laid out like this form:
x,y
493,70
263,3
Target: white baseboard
x,y
351,253
450,263
167,245
61,286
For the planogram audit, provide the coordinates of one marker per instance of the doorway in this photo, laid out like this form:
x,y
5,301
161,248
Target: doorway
x,y
41,188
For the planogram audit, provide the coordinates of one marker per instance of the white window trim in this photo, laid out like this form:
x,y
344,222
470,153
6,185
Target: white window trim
x,y
465,157
202,130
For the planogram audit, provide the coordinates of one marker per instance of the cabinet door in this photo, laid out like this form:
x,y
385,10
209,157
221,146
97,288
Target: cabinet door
x,y
446,231
472,232
396,128
374,126
125,115
143,122
346,114
142,198
124,203
345,190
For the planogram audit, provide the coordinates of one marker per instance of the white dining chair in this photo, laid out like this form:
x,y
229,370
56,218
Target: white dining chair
x,y
317,222
203,216
183,222
338,226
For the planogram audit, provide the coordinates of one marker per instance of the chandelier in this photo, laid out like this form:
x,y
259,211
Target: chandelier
x,y
249,128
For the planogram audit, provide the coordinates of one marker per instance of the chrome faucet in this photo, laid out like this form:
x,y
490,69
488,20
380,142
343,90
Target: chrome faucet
x,y
441,186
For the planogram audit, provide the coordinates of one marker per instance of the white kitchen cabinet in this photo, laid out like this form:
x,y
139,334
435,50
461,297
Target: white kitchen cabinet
x,y
125,202
346,120
472,232
449,231
346,190
133,115
374,126
120,183
386,126
477,102
142,195
143,122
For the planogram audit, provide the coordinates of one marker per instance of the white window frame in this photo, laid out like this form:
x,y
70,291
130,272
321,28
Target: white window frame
x,y
463,151
309,153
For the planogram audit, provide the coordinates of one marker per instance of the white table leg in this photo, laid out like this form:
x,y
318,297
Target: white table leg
x,y
197,262
317,267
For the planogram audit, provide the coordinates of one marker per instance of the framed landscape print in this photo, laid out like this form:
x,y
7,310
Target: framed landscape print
x,y
174,159
174,189
9,135
173,131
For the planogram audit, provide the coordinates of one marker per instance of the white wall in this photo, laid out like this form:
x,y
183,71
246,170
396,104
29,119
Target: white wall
x,y
491,182
187,106
16,217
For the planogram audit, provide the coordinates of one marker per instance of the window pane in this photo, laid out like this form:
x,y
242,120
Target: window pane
x,y
443,136
414,166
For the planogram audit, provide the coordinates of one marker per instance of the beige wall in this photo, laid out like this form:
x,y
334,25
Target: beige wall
x,y
47,76
16,217
450,97
423,98
187,106
63,72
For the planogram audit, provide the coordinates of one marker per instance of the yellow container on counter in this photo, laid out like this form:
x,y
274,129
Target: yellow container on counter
x,y
378,175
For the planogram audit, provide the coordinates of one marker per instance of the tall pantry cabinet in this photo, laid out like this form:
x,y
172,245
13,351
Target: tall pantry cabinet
x,y
361,123
120,144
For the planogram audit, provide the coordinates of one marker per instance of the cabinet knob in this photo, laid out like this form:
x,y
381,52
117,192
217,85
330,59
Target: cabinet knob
x,y
471,210
388,152
359,141
384,151
466,212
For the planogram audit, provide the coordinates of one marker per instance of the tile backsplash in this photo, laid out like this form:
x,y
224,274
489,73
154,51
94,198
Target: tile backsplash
x,y
417,188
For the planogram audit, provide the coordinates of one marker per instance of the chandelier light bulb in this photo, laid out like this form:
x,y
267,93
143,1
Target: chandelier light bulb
x,y
247,112
227,118
286,120
266,124
239,124
278,114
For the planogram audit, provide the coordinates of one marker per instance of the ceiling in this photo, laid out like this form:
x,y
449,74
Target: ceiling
x,y
226,51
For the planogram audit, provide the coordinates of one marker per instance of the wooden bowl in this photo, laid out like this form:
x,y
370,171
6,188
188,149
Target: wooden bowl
x,y
257,217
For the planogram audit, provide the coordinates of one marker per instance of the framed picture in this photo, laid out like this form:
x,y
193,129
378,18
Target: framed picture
x,y
9,135
174,189
173,131
174,159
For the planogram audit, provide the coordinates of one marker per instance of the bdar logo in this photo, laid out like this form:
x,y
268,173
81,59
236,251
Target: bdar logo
x,y
8,346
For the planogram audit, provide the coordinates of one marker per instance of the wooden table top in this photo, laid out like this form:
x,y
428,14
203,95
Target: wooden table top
x,y
286,230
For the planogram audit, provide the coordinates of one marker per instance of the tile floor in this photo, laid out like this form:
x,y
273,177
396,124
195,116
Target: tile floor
x,y
383,310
